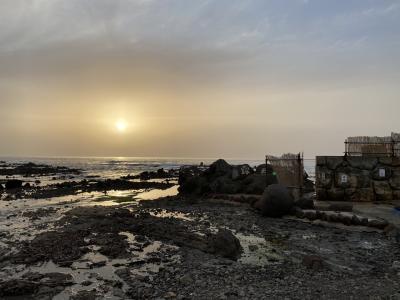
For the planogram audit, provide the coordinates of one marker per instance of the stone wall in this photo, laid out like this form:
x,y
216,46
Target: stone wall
x,y
357,178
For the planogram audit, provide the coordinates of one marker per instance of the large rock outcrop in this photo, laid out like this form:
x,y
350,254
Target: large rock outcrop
x,y
223,178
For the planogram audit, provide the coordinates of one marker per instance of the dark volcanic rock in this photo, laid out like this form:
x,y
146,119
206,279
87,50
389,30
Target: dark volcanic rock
x,y
29,169
13,184
275,202
313,262
225,244
159,174
35,286
60,247
221,178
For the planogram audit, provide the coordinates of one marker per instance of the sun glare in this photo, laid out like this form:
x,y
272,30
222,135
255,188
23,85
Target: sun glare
x,y
121,125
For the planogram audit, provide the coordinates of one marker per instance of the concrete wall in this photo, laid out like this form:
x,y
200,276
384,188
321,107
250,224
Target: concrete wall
x,y
357,178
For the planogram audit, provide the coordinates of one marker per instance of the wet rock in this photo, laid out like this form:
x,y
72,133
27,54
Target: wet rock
x,y
17,287
85,295
31,284
224,244
60,247
86,283
29,169
378,223
313,262
111,245
275,202
355,220
13,184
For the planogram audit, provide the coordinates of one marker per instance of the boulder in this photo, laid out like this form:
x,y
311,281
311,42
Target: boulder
x,y
276,201
13,184
224,244
313,262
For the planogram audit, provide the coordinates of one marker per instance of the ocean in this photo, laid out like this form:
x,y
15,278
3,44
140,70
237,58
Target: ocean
x,y
115,167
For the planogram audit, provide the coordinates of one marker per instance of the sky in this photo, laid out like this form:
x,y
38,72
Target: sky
x,y
196,78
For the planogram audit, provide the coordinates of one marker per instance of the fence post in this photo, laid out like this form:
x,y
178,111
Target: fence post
x,y
300,174
266,171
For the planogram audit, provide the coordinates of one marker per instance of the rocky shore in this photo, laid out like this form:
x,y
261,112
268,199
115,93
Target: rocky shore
x,y
81,240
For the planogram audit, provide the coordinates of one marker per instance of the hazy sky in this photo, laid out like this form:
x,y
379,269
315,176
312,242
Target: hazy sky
x,y
196,78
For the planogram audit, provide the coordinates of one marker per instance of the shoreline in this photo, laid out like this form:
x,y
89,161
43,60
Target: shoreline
x,y
94,245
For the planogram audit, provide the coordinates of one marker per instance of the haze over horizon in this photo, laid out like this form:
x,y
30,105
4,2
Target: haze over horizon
x,y
204,78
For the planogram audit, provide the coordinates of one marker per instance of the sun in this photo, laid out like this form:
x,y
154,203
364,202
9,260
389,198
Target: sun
x,y
121,125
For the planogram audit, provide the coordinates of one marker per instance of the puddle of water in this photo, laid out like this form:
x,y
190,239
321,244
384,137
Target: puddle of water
x,y
156,193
